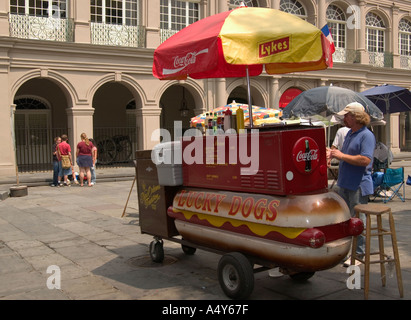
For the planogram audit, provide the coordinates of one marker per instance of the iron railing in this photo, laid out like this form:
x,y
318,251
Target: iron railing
x,y
118,35
381,59
115,146
346,55
405,62
34,148
166,33
41,28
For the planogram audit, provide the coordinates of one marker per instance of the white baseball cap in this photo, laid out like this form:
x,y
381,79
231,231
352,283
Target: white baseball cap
x,y
353,107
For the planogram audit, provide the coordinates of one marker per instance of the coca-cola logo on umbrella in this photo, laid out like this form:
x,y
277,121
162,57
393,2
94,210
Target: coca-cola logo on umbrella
x,y
306,155
181,62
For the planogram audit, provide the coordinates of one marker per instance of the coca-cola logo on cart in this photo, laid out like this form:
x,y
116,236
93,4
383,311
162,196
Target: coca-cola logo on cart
x,y
306,154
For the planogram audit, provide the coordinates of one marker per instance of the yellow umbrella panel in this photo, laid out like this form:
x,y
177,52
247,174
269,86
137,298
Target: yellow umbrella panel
x,y
278,37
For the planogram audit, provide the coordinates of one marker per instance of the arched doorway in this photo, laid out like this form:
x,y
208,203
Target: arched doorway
x,y
114,123
177,105
240,95
288,96
39,117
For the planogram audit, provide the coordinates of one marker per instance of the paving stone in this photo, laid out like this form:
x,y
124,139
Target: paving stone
x,y
42,262
38,294
82,232
13,263
87,287
80,228
83,251
20,281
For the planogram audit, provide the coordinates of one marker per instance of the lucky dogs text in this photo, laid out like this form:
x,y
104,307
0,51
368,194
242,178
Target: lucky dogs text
x,y
209,202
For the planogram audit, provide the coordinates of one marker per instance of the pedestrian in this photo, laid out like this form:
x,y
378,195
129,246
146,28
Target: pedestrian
x,y
84,158
64,155
356,157
338,143
56,162
94,157
73,174
339,138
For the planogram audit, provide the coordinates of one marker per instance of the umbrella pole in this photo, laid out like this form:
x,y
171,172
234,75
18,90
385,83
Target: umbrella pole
x,y
388,125
250,105
328,136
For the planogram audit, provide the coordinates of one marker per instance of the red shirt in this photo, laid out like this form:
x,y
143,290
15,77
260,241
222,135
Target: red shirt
x,y
64,148
83,149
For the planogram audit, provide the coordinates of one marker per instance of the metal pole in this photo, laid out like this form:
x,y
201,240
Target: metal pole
x,y
250,105
388,125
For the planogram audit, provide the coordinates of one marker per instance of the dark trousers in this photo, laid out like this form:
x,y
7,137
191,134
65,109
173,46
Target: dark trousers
x,y
55,172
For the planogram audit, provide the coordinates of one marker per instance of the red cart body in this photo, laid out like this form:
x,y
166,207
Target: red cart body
x,y
288,161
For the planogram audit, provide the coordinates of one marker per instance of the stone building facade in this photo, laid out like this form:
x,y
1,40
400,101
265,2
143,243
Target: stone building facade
x,y
73,66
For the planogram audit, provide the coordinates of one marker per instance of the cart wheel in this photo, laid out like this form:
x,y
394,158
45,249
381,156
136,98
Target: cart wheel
x,y
235,275
301,276
188,250
156,251
106,150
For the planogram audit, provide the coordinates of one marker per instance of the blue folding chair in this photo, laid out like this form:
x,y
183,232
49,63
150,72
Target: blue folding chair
x,y
392,182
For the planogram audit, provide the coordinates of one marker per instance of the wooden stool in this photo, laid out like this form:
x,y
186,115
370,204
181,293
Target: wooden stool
x,y
377,210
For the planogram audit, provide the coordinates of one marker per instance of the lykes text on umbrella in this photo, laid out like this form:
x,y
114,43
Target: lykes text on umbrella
x,y
274,46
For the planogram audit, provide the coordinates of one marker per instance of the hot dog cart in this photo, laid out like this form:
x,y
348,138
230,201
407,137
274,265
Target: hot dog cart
x,y
267,204
205,192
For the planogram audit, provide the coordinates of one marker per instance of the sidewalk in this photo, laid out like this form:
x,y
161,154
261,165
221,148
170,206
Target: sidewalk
x,y
36,179
103,256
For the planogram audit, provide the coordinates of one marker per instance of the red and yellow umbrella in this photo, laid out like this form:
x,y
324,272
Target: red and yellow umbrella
x,y
239,43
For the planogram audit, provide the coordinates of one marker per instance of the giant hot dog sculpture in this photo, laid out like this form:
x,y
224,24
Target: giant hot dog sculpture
x,y
302,233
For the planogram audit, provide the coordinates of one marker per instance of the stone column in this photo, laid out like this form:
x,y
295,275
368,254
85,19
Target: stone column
x,y
274,94
361,86
148,120
322,82
275,4
322,8
8,154
221,92
79,119
394,119
151,19
394,37
81,15
364,57
222,6
4,18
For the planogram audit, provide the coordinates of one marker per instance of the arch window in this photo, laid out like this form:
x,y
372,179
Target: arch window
x,y
293,7
375,33
30,104
32,120
337,25
249,3
405,37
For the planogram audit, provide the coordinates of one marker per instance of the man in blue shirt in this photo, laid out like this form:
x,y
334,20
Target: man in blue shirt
x,y
354,176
